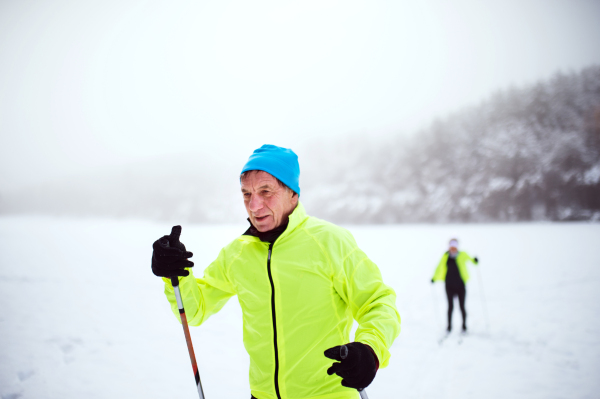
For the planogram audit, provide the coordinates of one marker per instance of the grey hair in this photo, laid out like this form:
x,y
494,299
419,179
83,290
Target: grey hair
x,y
281,184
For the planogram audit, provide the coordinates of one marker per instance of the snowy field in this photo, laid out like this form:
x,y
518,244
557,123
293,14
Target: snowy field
x,y
82,316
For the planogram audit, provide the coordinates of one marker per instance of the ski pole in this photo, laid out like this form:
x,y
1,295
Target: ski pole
x,y
483,302
436,314
343,355
186,332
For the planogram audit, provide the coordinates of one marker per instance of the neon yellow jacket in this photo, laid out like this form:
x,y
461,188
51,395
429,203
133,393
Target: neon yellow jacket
x,y
321,280
461,261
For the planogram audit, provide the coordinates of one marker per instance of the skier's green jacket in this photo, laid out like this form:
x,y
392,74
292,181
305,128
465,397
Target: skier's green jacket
x,y
461,261
297,305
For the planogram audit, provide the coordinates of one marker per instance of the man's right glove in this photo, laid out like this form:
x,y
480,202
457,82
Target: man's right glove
x,y
169,257
358,364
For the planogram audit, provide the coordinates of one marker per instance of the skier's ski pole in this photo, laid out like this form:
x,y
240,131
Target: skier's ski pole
x,y
483,302
186,332
436,314
343,355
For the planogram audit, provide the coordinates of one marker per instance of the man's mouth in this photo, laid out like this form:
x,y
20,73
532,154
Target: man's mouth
x,y
261,218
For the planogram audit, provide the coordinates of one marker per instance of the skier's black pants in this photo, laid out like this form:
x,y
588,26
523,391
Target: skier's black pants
x,y
451,292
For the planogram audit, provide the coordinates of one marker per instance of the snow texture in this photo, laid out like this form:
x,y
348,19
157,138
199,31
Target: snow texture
x,y
83,316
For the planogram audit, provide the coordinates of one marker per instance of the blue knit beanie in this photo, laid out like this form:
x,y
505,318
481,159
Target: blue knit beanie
x,y
279,162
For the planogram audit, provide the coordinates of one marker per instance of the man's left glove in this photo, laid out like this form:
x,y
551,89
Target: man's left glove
x,y
358,364
169,257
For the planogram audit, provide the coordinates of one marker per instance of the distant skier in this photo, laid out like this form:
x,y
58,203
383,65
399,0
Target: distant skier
x,y
300,282
453,269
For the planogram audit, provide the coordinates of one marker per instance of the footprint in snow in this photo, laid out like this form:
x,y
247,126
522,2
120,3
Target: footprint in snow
x,y
23,375
67,346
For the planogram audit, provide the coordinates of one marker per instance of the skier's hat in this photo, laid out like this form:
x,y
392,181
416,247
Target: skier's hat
x,y
279,162
453,243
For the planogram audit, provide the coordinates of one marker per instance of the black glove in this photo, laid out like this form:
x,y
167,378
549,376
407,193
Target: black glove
x,y
476,260
432,281
169,257
357,367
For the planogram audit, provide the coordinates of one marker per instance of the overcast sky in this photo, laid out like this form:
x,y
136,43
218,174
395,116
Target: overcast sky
x,y
90,84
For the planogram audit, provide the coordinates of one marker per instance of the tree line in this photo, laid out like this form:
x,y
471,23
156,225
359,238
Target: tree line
x,y
523,154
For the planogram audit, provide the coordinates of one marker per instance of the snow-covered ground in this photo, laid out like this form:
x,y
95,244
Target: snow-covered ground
x,y
82,316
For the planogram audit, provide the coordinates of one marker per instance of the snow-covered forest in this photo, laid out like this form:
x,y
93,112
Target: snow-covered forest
x,y
529,153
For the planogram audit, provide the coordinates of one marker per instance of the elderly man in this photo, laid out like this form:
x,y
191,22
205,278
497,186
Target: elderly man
x,y
300,282
453,270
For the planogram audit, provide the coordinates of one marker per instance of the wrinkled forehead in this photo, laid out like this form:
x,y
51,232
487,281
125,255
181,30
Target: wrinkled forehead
x,y
258,178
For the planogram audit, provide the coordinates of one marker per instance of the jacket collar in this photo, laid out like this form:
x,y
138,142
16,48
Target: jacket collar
x,y
295,219
267,236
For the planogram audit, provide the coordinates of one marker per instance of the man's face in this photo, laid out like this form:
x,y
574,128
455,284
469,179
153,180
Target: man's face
x,y
268,203
453,250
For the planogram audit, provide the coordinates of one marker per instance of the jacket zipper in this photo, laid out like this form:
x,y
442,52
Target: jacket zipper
x,y
274,322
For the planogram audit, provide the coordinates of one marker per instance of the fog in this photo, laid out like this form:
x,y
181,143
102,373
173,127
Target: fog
x,y
414,122
93,90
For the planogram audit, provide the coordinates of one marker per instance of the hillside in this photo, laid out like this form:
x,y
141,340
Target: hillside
x,y
523,154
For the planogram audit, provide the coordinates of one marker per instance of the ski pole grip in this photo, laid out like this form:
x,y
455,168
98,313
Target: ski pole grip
x,y
175,281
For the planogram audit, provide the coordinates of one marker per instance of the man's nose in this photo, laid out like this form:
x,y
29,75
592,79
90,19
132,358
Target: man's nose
x,y
256,203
